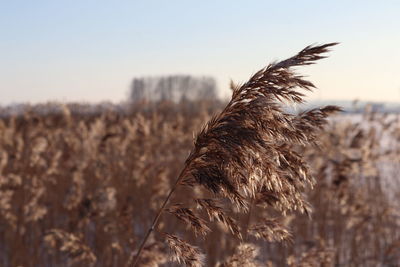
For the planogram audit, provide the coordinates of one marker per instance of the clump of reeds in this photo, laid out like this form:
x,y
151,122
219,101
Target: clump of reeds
x,y
71,246
89,156
247,154
320,255
245,255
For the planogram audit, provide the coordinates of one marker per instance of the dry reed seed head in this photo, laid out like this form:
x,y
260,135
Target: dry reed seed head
x,y
75,193
278,80
248,147
105,201
307,123
71,245
184,252
197,224
188,181
10,181
34,210
233,86
314,257
215,212
153,255
285,201
6,211
249,144
271,230
161,188
245,255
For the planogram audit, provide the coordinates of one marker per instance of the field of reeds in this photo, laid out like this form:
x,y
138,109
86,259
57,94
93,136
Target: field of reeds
x,y
81,186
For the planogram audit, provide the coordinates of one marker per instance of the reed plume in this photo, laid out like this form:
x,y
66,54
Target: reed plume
x,y
184,252
71,245
247,152
245,255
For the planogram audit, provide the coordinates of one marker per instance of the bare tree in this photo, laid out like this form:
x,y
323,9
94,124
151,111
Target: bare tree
x,y
174,88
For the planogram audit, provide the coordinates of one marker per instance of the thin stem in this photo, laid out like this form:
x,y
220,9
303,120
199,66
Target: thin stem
x,y
155,221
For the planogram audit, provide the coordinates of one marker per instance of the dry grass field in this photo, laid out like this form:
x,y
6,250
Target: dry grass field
x,y
81,187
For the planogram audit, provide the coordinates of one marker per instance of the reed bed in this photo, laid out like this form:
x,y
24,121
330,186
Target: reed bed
x,y
102,177
81,188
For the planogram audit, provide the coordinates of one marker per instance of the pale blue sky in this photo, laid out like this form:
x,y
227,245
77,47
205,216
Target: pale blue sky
x,y
90,50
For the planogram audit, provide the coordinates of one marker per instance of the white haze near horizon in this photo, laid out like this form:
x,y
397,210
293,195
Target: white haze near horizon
x,y
89,51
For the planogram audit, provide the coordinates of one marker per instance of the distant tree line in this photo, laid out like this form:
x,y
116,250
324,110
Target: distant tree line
x,y
174,88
